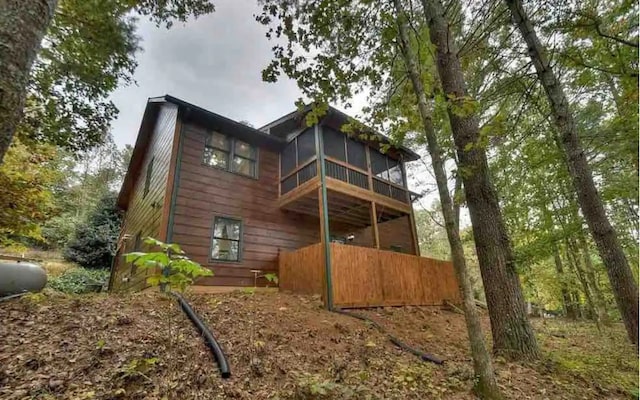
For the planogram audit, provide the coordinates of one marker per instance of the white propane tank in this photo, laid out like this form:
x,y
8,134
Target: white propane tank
x,y
20,276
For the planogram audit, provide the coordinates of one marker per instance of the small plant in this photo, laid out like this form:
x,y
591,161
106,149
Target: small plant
x,y
80,280
172,268
138,367
271,277
314,386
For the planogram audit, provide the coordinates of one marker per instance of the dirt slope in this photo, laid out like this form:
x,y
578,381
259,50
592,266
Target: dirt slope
x,y
280,346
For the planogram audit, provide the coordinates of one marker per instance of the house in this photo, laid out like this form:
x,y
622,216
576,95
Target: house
x,y
330,213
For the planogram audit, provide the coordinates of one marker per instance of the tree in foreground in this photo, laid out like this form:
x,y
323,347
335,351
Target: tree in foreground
x,y
361,58
513,335
89,48
620,275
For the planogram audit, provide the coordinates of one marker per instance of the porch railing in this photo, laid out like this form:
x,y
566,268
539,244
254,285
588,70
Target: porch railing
x,y
346,173
298,177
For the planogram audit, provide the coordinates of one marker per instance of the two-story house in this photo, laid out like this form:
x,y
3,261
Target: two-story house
x,y
306,202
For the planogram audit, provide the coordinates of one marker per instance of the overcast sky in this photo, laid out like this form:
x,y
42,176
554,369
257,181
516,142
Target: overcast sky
x,y
215,62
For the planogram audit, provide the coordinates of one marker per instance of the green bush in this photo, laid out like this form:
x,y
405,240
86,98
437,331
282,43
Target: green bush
x,y
94,242
58,231
80,280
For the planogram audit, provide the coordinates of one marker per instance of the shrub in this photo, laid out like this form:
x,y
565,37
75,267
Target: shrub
x,y
94,242
80,280
59,231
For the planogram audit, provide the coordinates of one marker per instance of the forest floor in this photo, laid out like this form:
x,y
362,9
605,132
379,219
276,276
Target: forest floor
x,y
280,346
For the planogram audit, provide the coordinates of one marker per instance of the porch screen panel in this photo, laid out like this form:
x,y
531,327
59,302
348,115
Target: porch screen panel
x,y
306,146
356,154
333,142
395,171
288,159
379,166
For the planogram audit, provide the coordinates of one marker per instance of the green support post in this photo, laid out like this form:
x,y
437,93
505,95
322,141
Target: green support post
x,y
324,218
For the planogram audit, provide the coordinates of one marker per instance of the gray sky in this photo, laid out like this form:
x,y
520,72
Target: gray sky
x,y
214,62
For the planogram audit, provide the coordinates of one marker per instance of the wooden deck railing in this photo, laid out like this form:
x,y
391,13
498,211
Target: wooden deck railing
x,y
346,173
366,277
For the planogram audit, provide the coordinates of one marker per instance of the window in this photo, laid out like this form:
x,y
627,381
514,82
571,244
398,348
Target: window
x,y
230,154
244,158
225,241
216,151
147,178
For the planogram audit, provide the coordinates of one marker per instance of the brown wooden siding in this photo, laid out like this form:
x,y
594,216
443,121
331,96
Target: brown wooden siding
x,y
205,192
144,214
396,232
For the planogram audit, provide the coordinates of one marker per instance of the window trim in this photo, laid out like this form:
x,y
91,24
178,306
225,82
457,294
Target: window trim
x,y
231,154
240,241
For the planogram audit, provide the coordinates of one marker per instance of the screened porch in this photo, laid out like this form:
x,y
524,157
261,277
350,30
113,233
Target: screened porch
x,y
362,189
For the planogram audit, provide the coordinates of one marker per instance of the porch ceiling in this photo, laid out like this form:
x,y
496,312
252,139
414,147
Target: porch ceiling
x,y
342,208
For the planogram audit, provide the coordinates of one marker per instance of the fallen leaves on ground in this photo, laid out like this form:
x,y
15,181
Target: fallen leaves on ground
x,y
280,346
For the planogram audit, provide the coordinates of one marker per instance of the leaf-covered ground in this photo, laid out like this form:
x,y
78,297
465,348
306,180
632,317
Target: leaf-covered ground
x,y
141,346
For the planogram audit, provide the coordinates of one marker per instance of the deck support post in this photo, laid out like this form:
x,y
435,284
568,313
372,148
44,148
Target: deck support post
x,y
374,225
323,210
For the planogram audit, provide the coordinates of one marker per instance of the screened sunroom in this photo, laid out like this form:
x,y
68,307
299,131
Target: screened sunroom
x,y
361,187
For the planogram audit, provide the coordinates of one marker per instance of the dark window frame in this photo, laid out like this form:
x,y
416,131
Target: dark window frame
x,y
147,178
231,155
240,239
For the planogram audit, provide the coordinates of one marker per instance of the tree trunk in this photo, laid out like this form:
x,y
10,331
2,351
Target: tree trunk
x,y
601,305
22,27
569,305
574,262
611,252
513,336
486,387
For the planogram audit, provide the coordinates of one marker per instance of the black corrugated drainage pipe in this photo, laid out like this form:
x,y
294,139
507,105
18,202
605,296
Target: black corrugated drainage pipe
x,y
423,356
210,340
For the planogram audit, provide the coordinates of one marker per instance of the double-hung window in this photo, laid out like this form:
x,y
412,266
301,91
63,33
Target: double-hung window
x,y
244,159
226,238
230,154
216,151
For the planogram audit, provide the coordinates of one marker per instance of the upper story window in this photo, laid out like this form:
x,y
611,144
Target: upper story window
x,y
230,154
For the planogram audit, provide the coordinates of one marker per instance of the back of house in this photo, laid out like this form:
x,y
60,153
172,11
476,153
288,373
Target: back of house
x,y
237,198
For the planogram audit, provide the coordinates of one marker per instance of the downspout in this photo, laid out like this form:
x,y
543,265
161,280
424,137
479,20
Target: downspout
x,y
176,181
324,218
